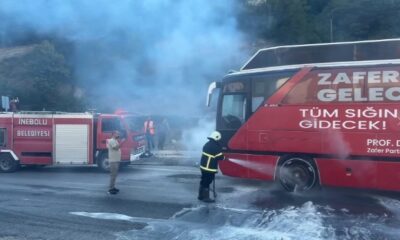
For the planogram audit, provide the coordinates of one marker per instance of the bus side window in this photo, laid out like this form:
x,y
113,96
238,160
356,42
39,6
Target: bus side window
x,y
3,138
303,92
264,87
111,124
258,95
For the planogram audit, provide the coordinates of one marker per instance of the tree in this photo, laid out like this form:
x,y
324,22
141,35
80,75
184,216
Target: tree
x,y
41,80
364,19
281,21
312,21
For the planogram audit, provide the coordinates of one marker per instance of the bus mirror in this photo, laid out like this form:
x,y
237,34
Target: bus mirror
x,y
211,88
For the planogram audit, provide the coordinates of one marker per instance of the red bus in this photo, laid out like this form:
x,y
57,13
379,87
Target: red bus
x,y
318,114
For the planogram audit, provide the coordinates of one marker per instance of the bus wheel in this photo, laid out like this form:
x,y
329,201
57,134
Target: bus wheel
x,y
297,174
102,162
7,163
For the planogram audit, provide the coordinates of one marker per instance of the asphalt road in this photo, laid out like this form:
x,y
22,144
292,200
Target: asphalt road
x,y
36,203
159,202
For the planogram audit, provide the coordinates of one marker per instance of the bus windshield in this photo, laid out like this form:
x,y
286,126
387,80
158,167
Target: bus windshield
x,y
242,97
233,110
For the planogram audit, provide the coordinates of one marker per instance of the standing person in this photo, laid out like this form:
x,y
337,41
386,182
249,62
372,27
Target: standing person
x,y
149,130
163,130
14,105
212,153
114,158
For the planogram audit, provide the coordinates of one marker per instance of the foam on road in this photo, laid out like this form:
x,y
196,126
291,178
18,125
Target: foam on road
x,y
216,221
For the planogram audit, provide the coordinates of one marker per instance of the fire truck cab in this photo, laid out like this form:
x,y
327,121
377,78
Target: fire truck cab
x,y
56,138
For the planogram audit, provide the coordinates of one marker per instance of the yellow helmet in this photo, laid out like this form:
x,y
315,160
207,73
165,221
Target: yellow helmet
x,y
215,136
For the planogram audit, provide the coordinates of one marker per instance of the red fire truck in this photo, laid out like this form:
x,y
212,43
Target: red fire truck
x,y
53,138
319,114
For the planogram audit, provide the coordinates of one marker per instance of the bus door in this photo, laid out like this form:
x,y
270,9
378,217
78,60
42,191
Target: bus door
x,y
240,98
233,108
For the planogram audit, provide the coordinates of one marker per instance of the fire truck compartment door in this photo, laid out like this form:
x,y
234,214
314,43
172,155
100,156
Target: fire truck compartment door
x,y
71,144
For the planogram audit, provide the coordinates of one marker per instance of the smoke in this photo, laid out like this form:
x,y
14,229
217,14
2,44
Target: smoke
x,y
194,138
154,56
338,144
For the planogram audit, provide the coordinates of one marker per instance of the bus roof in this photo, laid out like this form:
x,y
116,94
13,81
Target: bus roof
x,y
339,52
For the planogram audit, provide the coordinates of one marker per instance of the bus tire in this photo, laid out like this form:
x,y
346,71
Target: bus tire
x,y
297,173
103,163
8,163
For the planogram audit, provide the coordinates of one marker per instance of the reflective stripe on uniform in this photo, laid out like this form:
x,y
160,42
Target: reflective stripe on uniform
x,y
209,160
212,156
208,169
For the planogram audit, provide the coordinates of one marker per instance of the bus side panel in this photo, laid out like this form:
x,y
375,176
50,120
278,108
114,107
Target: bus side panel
x,y
348,173
279,129
276,129
282,141
388,176
343,143
249,166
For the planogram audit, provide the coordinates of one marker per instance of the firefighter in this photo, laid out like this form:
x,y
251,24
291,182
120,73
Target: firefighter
x,y
212,153
149,130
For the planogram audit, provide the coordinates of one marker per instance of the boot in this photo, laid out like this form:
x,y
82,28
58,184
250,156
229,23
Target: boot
x,y
200,196
205,196
112,191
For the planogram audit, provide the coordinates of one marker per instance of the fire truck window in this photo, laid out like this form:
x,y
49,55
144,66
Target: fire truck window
x,y
233,111
135,124
3,138
111,124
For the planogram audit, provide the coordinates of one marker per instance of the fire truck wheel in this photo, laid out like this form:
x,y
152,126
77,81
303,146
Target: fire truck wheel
x,y
103,163
7,163
297,174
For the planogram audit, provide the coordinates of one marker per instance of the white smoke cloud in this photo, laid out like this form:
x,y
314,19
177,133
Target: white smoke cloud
x,y
194,138
154,56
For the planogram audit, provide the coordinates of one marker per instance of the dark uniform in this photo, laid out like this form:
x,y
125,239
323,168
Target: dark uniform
x,y
212,153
